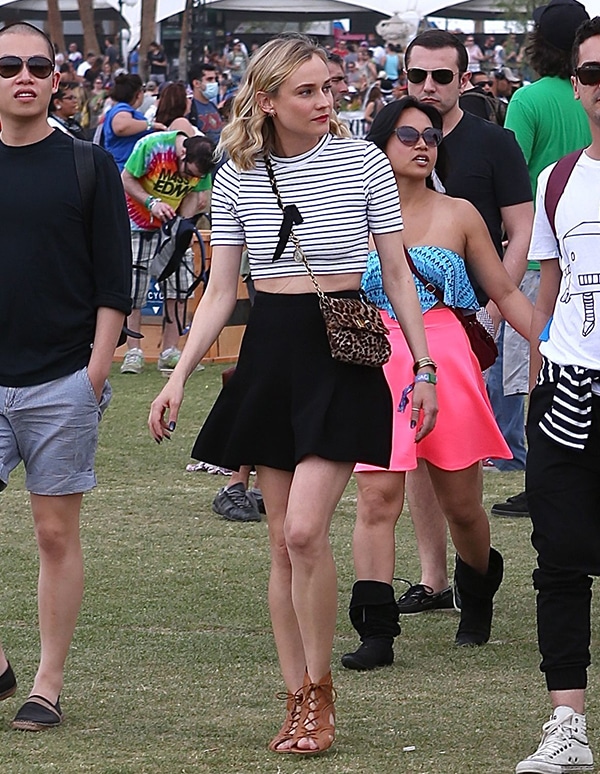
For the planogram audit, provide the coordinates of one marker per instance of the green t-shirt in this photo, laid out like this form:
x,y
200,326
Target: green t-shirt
x,y
548,123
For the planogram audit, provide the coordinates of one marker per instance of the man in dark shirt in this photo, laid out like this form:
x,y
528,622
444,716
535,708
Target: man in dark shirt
x,y
486,167
204,82
66,282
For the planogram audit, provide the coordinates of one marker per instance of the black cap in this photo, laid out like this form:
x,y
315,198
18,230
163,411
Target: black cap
x,y
558,21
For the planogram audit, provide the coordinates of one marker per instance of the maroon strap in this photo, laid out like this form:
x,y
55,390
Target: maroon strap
x,y
556,184
429,286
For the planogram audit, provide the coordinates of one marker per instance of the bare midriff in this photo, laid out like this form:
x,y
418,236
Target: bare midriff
x,y
329,283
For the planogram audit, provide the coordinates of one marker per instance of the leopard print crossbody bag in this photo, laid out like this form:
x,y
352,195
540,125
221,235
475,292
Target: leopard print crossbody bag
x,y
355,330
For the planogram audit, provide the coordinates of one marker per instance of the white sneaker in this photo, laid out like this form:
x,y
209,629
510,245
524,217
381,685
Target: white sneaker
x,y
133,362
564,747
168,359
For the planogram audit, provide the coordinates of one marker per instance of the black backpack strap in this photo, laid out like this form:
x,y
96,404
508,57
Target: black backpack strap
x,y
86,179
557,181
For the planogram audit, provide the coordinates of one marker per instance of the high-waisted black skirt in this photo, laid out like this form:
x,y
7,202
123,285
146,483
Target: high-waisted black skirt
x,y
288,398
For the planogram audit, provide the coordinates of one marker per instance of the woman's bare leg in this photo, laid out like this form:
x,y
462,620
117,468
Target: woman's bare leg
x,y
379,505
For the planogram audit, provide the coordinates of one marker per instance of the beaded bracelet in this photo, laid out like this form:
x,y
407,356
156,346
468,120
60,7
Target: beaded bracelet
x,y
424,362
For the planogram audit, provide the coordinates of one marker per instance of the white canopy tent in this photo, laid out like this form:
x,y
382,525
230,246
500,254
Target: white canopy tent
x,y
341,8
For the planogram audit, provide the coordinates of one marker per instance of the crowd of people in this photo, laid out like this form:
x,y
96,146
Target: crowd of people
x,y
441,212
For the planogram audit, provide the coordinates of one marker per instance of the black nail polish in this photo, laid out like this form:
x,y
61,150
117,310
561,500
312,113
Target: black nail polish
x,y
413,424
172,426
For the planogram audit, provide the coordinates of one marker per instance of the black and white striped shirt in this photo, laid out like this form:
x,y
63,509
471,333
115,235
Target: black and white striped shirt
x,y
343,188
569,418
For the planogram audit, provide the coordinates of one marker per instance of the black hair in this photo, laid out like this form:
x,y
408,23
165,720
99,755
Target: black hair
x,y
200,152
196,71
435,39
588,29
385,121
29,29
545,58
126,86
59,95
335,59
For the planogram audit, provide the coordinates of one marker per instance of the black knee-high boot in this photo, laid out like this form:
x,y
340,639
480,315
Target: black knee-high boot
x,y
374,615
477,599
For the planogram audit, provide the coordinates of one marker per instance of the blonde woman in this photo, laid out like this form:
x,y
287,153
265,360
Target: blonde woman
x,y
302,417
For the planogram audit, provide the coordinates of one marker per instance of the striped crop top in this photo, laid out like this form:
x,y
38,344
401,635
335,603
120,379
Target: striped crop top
x,y
442,267
343,188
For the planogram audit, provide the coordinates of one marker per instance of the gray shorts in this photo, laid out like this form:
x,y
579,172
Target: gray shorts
x,y
515,362
53,429
143,247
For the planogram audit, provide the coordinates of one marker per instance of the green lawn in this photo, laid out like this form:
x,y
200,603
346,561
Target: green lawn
x,y
173,668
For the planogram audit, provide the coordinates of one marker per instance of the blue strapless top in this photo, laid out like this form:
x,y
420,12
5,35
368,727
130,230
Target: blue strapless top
x,y
442,267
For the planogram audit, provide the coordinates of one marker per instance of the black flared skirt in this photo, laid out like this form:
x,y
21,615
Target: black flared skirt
x,y
288,398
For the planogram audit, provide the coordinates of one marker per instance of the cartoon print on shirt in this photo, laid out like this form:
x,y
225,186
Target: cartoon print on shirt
x,y
581,276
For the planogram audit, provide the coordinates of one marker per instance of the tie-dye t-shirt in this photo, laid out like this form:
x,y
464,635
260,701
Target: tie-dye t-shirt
x,y
154,162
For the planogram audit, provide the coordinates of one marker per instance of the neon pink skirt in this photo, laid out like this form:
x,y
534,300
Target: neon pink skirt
x,y
465,431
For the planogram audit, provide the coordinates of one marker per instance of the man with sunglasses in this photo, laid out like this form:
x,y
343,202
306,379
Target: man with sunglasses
x,y
487,168
66,275
563,425
167,174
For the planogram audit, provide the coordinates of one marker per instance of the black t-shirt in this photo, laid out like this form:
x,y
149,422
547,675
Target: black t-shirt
x,y
486,166
55,275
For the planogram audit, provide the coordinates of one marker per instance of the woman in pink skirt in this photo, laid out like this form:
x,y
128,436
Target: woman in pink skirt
x,y
441,234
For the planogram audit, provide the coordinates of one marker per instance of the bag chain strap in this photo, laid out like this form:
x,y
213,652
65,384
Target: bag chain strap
x,y
298,247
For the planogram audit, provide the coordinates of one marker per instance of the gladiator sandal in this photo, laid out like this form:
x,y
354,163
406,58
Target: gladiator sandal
x,y
317,717
292,716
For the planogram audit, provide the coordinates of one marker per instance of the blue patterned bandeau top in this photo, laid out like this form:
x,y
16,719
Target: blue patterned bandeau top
x,y
442,267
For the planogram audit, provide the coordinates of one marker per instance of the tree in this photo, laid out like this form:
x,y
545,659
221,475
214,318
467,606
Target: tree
x,y
186,24
518,11
147,33
55,25
90,39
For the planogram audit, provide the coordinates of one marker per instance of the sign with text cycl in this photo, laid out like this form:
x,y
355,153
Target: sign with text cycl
x,y
154,301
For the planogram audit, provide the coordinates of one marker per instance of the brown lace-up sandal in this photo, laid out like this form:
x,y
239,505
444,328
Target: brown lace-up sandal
x,y
317,717
292,716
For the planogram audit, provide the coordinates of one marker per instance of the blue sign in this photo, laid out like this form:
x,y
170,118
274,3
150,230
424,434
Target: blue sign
x,y
154,301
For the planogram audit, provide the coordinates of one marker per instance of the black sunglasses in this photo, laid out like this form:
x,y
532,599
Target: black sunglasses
x,y
442,75
588,75
408,135
38,66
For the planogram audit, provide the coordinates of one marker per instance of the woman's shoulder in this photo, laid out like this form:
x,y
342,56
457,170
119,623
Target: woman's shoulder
x,y
458,208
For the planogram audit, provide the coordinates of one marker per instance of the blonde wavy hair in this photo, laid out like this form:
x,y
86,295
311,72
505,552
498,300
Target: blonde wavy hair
x,y
251,133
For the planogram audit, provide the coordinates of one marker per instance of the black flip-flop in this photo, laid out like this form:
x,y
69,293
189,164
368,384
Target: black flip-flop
x,y
38,714
8,683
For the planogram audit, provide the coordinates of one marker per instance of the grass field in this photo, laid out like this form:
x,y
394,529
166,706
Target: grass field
x,y
173,668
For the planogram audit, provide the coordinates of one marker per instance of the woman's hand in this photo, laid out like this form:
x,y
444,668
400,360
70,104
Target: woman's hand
x,y
164,411
424,409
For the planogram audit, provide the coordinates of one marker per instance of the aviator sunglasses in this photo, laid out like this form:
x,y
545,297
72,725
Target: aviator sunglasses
x,y
589,74
442,75
408,135
38,66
